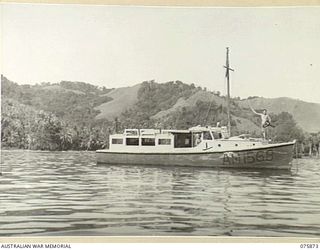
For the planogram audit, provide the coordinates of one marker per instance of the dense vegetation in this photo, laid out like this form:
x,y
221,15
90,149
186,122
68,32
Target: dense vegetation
x,y
52,116
61,116
72,102
152,98
28,128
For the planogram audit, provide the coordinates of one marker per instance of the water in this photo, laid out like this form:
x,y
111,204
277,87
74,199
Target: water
x,y
66,193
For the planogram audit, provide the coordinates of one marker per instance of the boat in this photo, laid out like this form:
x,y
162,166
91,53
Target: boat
x,y
200,146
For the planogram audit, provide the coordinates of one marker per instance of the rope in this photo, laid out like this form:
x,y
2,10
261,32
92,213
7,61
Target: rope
x,y
206,117
178,117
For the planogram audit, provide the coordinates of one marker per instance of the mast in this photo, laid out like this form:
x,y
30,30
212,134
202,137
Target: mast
x,y
228,90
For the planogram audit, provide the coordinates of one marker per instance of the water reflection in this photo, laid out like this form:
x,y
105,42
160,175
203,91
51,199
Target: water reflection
x,y
66,193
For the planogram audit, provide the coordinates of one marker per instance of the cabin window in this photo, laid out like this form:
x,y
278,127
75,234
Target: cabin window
x,y
117,141
217,135
207,135
164,141
182,140
148,142
132,141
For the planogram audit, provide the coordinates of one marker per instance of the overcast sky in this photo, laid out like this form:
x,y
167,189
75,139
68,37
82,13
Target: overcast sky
x,y
274,51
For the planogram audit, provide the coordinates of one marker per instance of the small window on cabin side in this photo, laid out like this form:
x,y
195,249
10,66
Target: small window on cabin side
x,y
164,141
148,142
117,141
207,135
132,141
217,135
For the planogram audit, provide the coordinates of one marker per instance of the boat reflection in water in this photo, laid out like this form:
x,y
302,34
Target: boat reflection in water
x,y
206,201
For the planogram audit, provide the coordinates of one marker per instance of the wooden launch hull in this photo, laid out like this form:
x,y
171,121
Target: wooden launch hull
x,y
277,156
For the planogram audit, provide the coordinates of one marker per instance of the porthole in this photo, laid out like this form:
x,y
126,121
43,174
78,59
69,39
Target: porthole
x,y
219,145
236,145
253,144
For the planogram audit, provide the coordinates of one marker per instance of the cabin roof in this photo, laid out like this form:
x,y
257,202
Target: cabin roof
x,y
146,132
207,128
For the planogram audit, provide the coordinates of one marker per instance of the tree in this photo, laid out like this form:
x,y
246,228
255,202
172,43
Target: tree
x,y
286,128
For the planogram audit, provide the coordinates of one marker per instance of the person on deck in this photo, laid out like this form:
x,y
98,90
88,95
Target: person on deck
x,y
198,139
265,120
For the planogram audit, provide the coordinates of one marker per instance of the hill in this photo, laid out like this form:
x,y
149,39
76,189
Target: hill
x,y
199,95
52,116
77,115
213,102
73,102
121,100
307,115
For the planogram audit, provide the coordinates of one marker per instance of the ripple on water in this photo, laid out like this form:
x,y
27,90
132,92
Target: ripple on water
x,y
66,193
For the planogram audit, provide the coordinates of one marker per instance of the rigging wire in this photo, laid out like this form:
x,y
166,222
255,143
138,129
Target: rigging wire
x,y
224,99
180,109
206,117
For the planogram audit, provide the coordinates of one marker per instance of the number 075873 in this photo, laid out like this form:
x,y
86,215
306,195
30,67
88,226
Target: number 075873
x,y
308,246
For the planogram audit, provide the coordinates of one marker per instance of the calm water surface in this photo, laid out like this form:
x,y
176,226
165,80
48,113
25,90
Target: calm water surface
x,y
66,193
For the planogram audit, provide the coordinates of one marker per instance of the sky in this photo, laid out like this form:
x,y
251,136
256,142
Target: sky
x,y
274,51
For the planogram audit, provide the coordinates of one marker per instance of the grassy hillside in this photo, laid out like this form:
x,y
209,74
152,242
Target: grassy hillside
x,y
214,110
165,100
121,99
77,115
198,95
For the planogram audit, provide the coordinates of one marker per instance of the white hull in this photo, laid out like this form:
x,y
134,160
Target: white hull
x,y
276,156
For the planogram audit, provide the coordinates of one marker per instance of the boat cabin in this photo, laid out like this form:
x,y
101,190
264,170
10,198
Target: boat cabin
x,y
166,139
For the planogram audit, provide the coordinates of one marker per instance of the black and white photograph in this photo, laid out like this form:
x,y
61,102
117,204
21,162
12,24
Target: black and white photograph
x,y
132,120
